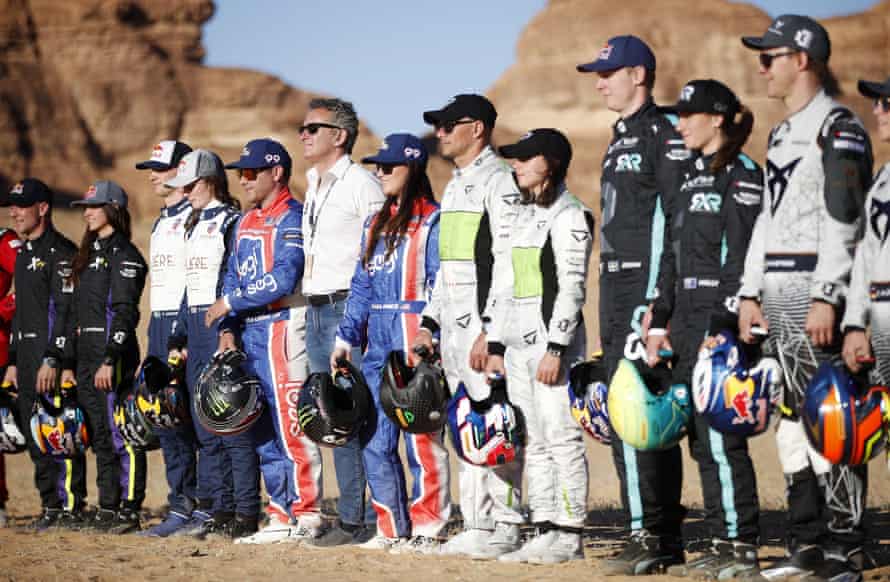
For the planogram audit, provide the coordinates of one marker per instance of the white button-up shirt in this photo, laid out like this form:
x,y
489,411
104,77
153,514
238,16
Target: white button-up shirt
x,y
337,205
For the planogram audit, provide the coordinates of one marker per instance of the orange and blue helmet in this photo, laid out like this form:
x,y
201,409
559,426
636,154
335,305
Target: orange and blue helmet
x,y
588,395
59,429
845,419
487,433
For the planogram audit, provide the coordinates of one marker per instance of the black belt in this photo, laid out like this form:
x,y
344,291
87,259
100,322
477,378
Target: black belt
x,y
327,299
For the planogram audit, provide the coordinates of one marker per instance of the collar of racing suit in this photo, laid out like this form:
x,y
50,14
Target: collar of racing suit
x,y
486,155
168,211
45,238
639,116
115,238
284,196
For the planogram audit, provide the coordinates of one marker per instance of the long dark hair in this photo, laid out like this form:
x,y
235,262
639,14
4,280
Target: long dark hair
x,y
119,219
219,183
557,175
737,129
394,226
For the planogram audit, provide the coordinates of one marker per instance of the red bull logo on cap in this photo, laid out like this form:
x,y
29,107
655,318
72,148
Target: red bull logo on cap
x,y
18,188
605,53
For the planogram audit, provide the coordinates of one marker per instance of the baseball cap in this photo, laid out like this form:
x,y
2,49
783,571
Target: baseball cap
x,y
874,89
621,51
800,33
544,141
103,192
165,155
464,105
262,153
27,193
706,96
195,165
399,148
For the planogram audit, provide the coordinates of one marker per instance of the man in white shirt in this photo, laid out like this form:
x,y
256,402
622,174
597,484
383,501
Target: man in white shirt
x,y
339,198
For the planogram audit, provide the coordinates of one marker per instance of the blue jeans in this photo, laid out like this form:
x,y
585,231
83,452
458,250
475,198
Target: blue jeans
x,y
353,506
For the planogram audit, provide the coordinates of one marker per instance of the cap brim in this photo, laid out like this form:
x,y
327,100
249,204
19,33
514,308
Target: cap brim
x,y
759,43
234,166
681,107
439,116
596,67
873,89
88,203
517,151
180,181
152,165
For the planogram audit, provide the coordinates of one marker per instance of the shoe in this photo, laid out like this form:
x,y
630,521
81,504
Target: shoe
x,y
504,540
74,520
365,534
196,526
534,546
276,532
422,545
308,528
803,561
126,521
839,566
47,519
174,522
102,521
726,559
643,554
565,546
335,536
379,542
710,556
466,541
234,528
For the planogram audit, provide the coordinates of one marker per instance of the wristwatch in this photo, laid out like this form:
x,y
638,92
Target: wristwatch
x,y
51,362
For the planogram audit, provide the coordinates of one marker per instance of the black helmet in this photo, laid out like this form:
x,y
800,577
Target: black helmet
x,y
332,408
415,399
59,428
12,439
161,393
131,423
227,400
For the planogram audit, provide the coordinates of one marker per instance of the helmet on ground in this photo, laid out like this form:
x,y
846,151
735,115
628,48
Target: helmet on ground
x,y
735,390
587,399
59,429
227,400
647,410
486,433
845,419
12,439
332,408
161,394
415,399
131,424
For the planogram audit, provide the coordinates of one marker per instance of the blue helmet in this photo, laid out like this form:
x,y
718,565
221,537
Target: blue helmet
x,y
845,419
734,394
588,393
647,410
485,433
59,429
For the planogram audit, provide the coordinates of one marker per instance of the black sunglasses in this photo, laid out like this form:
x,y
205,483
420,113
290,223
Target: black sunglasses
x,y
766,59
312,128
448,126
883,102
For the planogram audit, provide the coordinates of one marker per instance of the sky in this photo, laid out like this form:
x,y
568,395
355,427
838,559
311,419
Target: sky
x,y
395,58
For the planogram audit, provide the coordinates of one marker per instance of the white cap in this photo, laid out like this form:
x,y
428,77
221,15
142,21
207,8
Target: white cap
x,y
194,166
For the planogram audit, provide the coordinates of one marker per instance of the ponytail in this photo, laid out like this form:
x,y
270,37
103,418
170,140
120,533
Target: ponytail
x,y
737,131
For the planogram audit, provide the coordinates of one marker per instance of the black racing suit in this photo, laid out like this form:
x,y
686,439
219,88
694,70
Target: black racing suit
x,y
39,333
642,171
711,229
105,313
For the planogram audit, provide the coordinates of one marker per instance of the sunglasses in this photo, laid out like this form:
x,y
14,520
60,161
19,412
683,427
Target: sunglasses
x,y
386,169
884,103
766,59
312,128
250,174
448,126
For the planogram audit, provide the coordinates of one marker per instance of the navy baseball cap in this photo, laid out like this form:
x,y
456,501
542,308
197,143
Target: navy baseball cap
x,y
706,96
544,141
28,192
165,155
464,105
800,33
261,153
399,148
101,193
620,52
874,89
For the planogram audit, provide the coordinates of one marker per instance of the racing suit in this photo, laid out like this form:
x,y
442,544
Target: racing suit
x,y
386,299
9,249
818,171
868,300
550,252
711,226
40,332
642,171
205,257
478,210
261,289
167,270
104,315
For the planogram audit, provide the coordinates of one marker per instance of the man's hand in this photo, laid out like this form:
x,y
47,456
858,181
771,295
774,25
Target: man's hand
x,y
339,353
856,349
656,342
46,379
495,365
68,378
178,355
424,340
226,342
104,379
750,315
548,369
479,353
217,310
820,323
646,323
11,376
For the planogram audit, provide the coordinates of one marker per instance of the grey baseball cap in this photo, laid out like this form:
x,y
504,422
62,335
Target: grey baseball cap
x,y
194,166
800,33
101,193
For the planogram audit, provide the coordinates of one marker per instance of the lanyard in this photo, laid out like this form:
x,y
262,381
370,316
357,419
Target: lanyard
x,y
316,208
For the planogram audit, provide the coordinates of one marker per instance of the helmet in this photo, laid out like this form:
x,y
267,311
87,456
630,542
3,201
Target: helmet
x,y
131,423
647,410
332,408
587,399
415,399
161,395
59,429
227,400
486,433
734,396
12,440
845,419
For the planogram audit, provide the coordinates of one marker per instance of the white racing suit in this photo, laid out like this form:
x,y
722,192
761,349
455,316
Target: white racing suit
x,y
550,251
477,212
818,169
